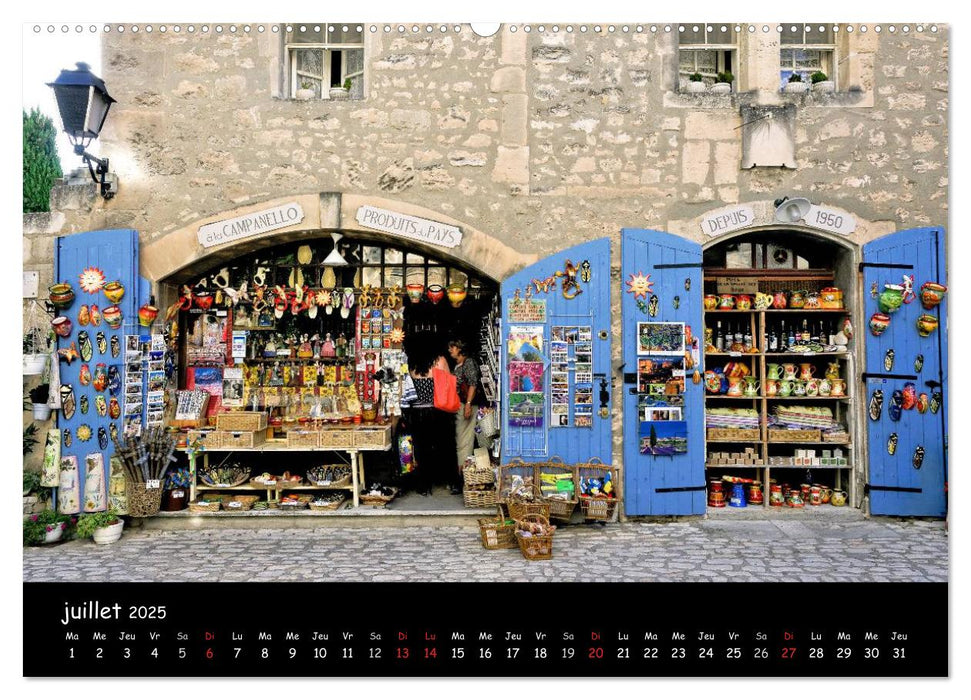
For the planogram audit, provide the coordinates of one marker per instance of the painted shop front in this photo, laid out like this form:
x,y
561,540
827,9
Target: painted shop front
x,y
757,362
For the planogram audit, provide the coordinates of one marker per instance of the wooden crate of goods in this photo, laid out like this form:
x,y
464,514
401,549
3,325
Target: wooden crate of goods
x,y
479,497
237,440
378,496
303,438
734,434
556,484
783,435
377,438
837,437
535,537
241,421
337,438
598,498
498,532
333,476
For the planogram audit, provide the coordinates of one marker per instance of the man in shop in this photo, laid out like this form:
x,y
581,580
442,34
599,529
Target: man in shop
x,y
466,373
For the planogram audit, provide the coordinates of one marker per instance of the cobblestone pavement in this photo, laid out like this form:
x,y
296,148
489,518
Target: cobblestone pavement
x,y
689,551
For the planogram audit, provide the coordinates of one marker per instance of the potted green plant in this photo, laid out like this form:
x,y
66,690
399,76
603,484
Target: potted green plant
x,y
795,84
821,83
723,83
38,401
35,352
696,83
305,91
36,497
45,527
341,91
104,527
30,442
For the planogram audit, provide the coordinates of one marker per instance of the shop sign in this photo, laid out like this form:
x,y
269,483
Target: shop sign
x,y
258,222
832,220
727,220
526,311
413,227
737,285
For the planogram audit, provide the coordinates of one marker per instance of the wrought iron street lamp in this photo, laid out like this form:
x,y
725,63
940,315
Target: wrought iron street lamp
x,y
83,102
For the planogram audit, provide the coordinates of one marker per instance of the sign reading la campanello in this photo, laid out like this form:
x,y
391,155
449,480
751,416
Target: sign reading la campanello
x,y
257,222
413,227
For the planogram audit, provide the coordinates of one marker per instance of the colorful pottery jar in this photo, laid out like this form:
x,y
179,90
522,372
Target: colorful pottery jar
x,y
825,386
779,300
799,388
147,314
775,496
932,294
755,493
735,386
891,298
879,323
112,316
114,291
815,496
62,326
825,493
762,301
789,371
812,301
726,301
751,388
926,324
831,298
839,387
812,387
833,370
737,499
806,371
716,495
456,294
743,302
785,388
794,499
61,295
797,299
436,293
838,498
773,371
711,302
415,291
771,387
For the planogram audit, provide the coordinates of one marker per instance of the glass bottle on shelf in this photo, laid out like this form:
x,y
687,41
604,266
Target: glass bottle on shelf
x,y
814,337
747,341
773,345
738,345
720,339
791,339
805,331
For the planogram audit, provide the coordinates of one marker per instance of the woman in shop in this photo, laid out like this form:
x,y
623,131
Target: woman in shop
x,y
467,379
432,431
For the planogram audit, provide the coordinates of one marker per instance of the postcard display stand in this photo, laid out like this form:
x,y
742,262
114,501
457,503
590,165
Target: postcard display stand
x,y
95,373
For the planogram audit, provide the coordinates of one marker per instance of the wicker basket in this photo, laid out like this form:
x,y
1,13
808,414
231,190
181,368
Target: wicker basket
x,y
225,439
206,477
535,547
337,484
142,501
372,438
208,507
561,509
332,505
337,438
475,476
734,435
600,508
241,421
480,499
498,533
303,438
520,509
293,505
238,504
367,499
506,472
781,435
280,484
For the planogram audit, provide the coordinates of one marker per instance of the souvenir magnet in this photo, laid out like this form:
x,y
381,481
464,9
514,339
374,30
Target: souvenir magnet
x,y
95,315
67,401
92,280
936,399
585,271
918,457
910,396
100,377
687,284
896,401
922,403
892,444
652,306
84,404
84,432
100,405
639,285
888,360
84,375
115,346
84,316
84,344
873,290
114,380
102,343
102,438
68,439
113,431
114,408
69,354
677,302
876,404
919,363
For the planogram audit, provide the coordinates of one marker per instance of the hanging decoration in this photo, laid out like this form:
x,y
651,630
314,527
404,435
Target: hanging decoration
x,y
570,286
932,294
922,403
114,291
876,405
69,354
653,306
909,397
896,405
891,298
68,438
585,272
92,280
918,460
918,364
102,342
926,324
83,402
95,315
61,295
888,360
908,286
640,285
892,444
879,323
677,303
84,316
937,398
84,432
687,285
544,285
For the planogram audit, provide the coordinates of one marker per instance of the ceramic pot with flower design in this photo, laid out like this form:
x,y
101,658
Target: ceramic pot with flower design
x,y
61,295
891,298
932,294
879,323
926,324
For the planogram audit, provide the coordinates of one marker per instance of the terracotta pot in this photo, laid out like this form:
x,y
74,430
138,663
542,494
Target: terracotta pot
x,y
926,324
743,302
61,295
879,323
114,291
932,294
112,316
779,300
147,314
456,294
415,290
711,301
62,326
435,293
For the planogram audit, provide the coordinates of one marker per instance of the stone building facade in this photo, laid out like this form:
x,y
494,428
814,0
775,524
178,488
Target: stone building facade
x,y
531,141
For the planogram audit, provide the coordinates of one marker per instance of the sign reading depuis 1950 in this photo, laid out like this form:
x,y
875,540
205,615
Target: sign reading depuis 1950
x,y
252,224
833,220
407,226
728,219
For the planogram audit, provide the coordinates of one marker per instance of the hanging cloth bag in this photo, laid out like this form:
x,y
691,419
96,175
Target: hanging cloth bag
x,y
446,391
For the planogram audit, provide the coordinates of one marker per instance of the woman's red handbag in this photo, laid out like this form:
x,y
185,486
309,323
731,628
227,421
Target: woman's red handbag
x,y
446,391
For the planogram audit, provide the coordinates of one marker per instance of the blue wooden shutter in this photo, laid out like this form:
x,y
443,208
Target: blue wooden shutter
x,y
590,308
895,486
662,485
115,253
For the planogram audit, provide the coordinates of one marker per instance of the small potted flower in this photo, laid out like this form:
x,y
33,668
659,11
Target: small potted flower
x,y
305,91
38,401
341,92
44,528
104,527
696,83
821,83
723,84
176,495
795,84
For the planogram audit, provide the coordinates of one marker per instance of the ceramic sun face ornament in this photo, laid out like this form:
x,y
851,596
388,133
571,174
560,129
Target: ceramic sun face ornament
x,y
92,280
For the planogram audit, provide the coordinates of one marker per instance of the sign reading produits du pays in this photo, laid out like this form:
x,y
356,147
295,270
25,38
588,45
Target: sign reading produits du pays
x,y
727,220
257,222
412,227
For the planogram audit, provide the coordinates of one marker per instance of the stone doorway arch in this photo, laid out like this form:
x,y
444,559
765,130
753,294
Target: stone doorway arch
x,y
175,257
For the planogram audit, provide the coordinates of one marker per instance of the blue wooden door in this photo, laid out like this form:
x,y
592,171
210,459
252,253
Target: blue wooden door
x,y
898,483
114,253
659,478
556,392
